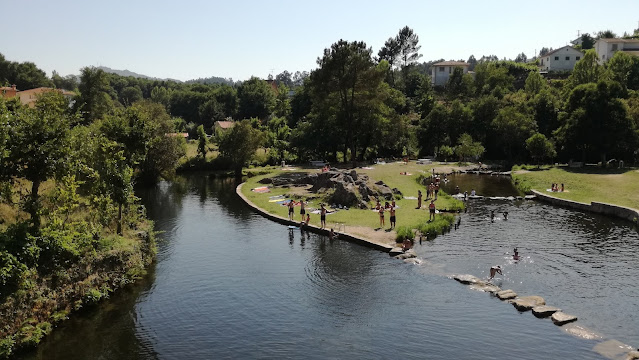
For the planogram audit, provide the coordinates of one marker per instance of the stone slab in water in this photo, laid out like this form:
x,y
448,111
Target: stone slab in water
x,y
506,294
486,287
526,303
581,332
409,254
396,251
543,311
530,197
467,279
560,318
633,355
612,349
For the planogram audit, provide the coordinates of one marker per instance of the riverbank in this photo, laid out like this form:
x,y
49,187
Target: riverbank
x,y
613,192
363,222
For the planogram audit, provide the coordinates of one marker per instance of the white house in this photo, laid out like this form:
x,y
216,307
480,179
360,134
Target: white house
x,y
606,48
562,59
440,72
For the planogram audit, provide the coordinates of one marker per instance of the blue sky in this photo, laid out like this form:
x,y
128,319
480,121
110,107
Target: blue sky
x,y
189,39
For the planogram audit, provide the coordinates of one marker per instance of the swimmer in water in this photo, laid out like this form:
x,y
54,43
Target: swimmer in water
x,y
505,215
331,235
495,270
516,254
492,215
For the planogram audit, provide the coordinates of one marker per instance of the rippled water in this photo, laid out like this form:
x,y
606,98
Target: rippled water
x,y
230,284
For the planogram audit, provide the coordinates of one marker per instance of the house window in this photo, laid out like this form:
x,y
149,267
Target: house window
x,y
614,47
567,57
556,57
577,58
441,69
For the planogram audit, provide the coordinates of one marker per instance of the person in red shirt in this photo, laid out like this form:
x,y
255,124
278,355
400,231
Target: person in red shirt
x,y
431,208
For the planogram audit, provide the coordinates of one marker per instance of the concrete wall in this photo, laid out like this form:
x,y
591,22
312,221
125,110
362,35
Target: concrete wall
x,y
550,64
439,77
596,207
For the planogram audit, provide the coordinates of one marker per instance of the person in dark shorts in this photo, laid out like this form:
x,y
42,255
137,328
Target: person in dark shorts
x,y
419,199
495,270
381,217
291,209
302,209
431,209
392,217
323,216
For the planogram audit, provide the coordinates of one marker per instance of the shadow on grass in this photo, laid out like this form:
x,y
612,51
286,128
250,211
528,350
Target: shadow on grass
x,y
597,170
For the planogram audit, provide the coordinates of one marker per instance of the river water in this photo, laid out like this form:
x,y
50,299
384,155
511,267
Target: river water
x,y
230,284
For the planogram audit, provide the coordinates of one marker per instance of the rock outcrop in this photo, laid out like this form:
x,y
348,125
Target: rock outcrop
x,y
560,318
526,303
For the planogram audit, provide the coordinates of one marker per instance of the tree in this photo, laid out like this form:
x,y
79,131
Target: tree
x,y
39,144
540,148
201,141
94,100
511,129
606,34
239,144
546,110
521,58
433,129
472,62
586,70
282,106
130,94
467,148
390,53
535,83
459,85
69,82
407,41
161,95
544,51
284,78
349,94
256,99
624,69
587,41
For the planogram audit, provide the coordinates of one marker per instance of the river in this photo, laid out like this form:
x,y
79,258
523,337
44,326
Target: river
x,y
230,284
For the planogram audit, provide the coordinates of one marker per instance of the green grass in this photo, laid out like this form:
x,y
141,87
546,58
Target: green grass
x,y
407,214
613,186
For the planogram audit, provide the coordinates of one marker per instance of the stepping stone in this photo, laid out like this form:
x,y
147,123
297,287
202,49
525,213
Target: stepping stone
x,y
560,318
409,254
395,251
506,294
530,197
526,303
613,349
467,279
581,332
486,288
633,355
543,311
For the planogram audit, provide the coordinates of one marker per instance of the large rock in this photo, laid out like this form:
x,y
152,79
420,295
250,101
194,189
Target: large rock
x,y
486,287
560,318
395,251
353,174
526,303
468,279
409,254
384,191
506,294
581,332
544,311
613,349
633,355
344,194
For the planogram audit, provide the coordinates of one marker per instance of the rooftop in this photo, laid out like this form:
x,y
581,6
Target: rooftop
x,y
452,63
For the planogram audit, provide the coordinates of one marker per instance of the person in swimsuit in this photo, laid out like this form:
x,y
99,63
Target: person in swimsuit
x,y
323,217
419,199
331,235
495,270
516,254
392,217
302,209
308,218
505,215
492,215
431,208
381,217
291,209
436,190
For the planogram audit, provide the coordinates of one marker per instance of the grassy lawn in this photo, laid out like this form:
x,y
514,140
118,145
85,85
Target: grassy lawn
x,y
612,186
407,214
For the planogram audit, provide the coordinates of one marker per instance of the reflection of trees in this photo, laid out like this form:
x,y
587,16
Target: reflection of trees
x,y
107,332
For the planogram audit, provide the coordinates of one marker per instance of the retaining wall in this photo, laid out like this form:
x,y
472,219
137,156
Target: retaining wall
x,y
313,228
596,207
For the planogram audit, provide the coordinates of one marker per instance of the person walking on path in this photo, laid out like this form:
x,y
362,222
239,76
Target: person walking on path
x,y
419,199
392,217
431,209
381,217
323,216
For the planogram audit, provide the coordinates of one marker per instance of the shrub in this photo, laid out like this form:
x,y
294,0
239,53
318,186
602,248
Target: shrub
x,y
403,233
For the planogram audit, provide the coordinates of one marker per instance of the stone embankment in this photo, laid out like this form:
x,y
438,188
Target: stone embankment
x,y
596,207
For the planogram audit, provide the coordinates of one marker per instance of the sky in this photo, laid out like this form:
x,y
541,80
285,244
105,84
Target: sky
x,y
237,39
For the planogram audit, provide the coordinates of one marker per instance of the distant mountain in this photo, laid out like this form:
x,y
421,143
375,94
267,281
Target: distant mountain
x,y
131,73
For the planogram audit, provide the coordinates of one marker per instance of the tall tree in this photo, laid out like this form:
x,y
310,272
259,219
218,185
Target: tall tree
x,y
408,42
521,57
540,148
256,99
390,53
587,41
606,34
94,100
239,144
587,69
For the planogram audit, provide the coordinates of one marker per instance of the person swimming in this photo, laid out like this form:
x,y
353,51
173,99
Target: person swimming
x,y
516,254
505,213
495,270
492,215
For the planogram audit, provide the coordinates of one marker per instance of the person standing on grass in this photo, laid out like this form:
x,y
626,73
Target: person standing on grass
x,y
291,209
323,216
381,217
392,217
302,209
419,199
431,209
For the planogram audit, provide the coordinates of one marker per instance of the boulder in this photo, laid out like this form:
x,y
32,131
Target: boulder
x,y
486,287
468,279
633,355
560,318
409,254
385,192
414,261
266,181
526,303
543,311
353,174
364,191
396,191
344,194
506,294
395,251
363,205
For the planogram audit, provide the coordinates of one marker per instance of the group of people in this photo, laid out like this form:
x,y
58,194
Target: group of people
x,y
387,207
305,218
431,206
555,187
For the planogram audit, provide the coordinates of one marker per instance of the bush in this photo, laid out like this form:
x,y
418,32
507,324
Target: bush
x,y
403,233
11,271
441,222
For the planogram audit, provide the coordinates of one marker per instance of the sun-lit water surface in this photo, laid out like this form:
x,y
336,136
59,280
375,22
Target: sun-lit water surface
x,y
230,284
